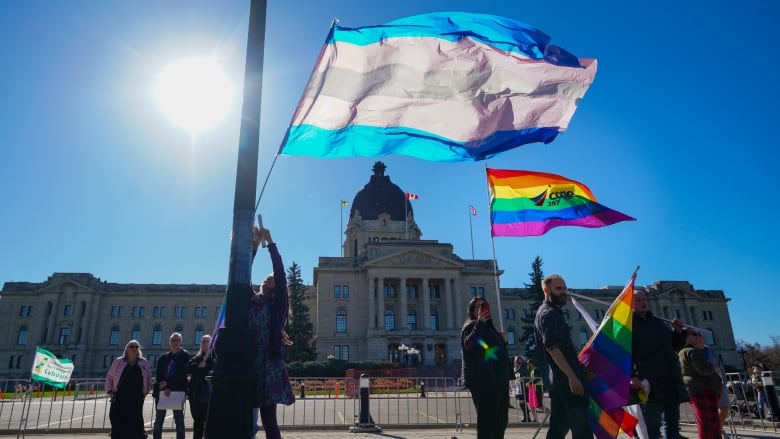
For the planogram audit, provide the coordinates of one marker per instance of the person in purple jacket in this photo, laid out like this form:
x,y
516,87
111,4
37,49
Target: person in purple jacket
x,y
268,311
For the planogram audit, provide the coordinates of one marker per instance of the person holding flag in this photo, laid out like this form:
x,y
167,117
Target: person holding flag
x,y
569,401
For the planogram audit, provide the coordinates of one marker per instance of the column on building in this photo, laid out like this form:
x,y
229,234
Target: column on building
x,y
373,317
459,307
51,336
449,298
380,301
404,309
426,296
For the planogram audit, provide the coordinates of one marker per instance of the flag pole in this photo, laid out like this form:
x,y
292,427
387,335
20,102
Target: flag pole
x,y
406,218
471,232
341,227
495,264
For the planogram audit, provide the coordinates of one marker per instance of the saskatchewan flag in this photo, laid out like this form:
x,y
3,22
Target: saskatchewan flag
x,y
50,370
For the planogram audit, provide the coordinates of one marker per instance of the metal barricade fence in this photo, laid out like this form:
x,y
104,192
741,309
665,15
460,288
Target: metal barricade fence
x,y
326,402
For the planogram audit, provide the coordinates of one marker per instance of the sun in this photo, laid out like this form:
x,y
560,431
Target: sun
x,y
194,93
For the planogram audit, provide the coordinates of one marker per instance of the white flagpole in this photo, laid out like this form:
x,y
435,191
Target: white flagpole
x,y
495,265
406,218
471,232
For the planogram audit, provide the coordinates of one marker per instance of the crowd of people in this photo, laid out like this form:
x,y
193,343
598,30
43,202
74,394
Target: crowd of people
x,y
671,365
178,374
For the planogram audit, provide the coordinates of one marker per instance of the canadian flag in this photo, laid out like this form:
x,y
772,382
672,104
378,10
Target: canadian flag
x,y
411,196
473,210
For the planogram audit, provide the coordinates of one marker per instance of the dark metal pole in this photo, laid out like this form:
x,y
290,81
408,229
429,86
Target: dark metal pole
x,y
230,405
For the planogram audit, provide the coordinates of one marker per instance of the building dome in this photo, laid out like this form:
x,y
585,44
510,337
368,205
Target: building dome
x,y
380,195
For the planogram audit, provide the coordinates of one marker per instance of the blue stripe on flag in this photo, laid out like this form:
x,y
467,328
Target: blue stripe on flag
x,y
367,141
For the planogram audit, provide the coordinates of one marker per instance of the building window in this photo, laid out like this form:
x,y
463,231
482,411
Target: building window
x,y
509,313
68,310
345,352
389,291
389,320
583,336
180,311
477,292
22,312
14,361
706,315
341,321
198,336
337,351
411,321
114,311
180,330
481,292
135,334
709,337
21,336
135,311
113,338
345,291
434,292
162,312
64,335
434,321
152,360
156,336
337,291
473,292
511,339
411,291
199,312
217,310
107,360
677,313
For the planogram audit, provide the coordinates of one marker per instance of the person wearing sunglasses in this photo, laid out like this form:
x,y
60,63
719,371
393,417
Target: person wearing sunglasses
x,y
128,381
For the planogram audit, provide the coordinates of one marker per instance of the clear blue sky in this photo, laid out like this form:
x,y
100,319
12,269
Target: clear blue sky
x,y
677,131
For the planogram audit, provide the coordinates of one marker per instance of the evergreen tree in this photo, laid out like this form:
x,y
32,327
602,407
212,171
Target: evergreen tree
x,y
537,297
300,329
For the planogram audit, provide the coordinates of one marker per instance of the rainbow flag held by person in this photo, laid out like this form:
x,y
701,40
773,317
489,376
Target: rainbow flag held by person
x,y
608,425
527,203
445,86
608,367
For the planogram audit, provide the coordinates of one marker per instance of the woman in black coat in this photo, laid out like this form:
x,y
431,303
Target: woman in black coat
x,y
486,370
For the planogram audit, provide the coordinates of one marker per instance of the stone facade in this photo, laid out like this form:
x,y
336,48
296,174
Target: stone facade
x,y
79,316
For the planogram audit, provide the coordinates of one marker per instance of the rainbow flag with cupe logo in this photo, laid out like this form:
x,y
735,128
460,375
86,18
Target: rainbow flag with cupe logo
x,y
608,366
527,203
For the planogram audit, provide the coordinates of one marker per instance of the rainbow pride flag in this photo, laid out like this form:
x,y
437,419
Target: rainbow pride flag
x,y
608,366
608,425
527,203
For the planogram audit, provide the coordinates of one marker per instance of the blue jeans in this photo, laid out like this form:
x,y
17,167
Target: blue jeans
x,y
656,412
178,419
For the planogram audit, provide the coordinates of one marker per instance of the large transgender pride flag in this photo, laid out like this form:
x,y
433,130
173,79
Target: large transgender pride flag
x,y
448,86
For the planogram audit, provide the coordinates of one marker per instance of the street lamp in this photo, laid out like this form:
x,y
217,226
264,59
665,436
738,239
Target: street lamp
x,y
233,381
742,349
